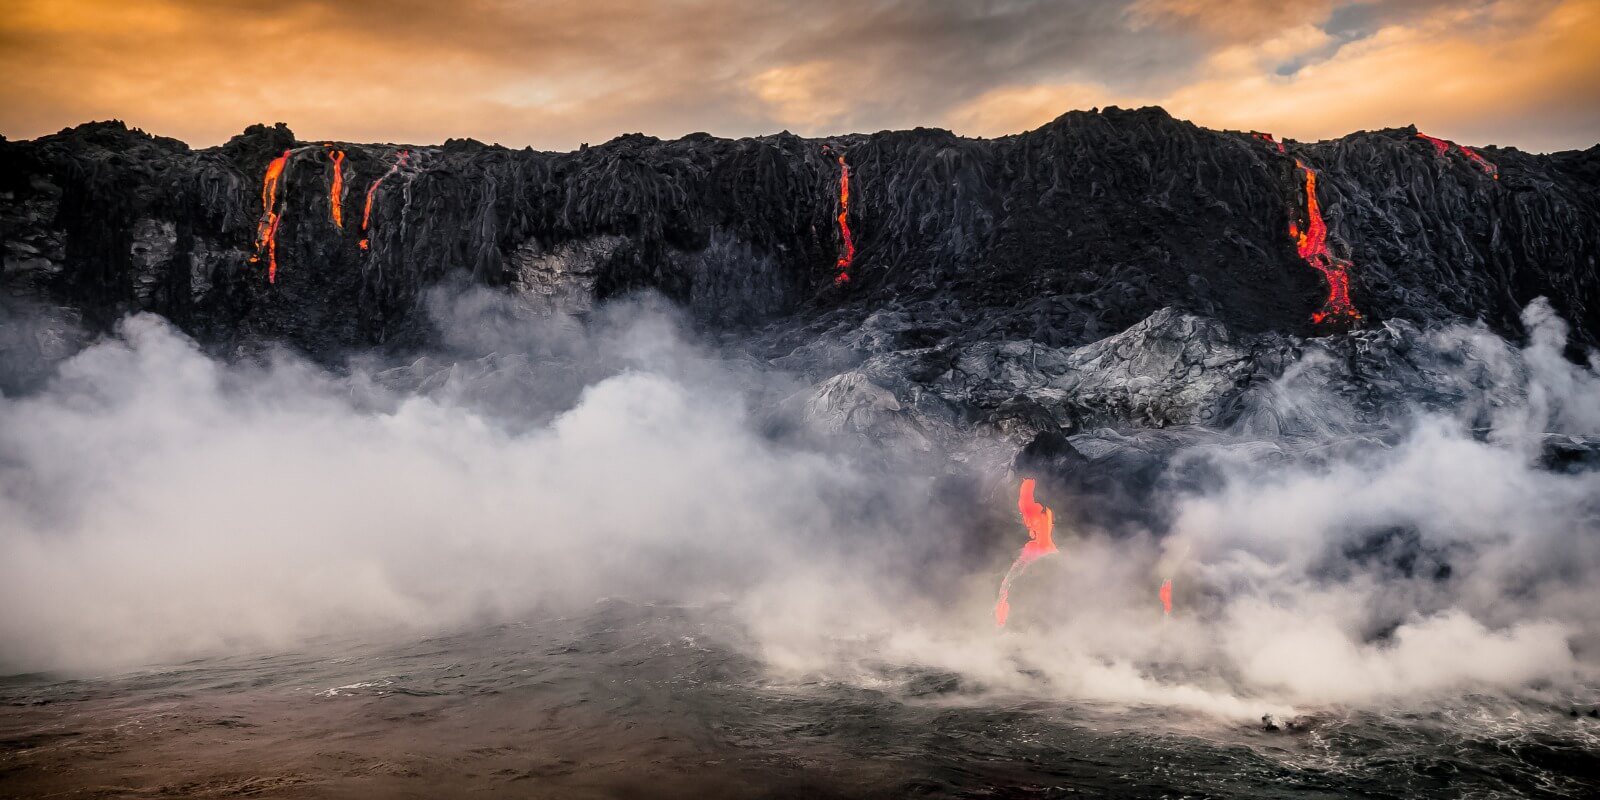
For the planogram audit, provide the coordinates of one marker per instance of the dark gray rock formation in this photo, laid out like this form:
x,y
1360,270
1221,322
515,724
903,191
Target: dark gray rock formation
x,y
1061,236
1109,272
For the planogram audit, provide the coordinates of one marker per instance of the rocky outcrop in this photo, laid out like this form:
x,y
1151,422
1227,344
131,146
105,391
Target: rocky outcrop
x,y
1108,288
1060,236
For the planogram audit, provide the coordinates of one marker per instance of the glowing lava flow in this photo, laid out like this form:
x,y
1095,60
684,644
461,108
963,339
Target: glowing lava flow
x,y
1040,521
267,228
366,213
1313,246
336,191
847,254
1442,147
1267,137
1166,597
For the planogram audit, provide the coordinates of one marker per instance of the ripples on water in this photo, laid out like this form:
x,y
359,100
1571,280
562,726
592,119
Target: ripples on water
x,y
651,701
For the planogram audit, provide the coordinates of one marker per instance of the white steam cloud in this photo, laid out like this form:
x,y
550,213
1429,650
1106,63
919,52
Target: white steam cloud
x,y
159,503
156,503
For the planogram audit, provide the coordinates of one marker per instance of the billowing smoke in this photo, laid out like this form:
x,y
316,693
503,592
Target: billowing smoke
x,y
160,503
1321,558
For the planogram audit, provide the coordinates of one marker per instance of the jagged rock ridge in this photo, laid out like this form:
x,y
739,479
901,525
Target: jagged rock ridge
x,y
1059,236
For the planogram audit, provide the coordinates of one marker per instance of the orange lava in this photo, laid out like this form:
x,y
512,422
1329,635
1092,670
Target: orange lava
x,y
1040,522
336,191
1442,147
1313,247
1166,596
1267,137
372,191
267,228
847,254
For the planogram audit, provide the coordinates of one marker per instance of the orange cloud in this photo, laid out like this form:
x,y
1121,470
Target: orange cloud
x,y
560,72
803,95
1231,20
1471,75
361,70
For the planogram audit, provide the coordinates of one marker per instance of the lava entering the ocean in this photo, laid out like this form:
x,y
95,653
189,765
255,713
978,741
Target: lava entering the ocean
x,y
336,190
1040,522
847,252
267,228
1312,244
372,191
1442,147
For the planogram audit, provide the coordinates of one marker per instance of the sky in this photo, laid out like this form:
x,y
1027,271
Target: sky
x,y
559,73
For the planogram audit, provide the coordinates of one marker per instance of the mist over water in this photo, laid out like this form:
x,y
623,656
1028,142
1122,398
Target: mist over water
x,y
161,504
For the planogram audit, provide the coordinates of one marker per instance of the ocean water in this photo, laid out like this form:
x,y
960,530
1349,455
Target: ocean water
x,y
632,700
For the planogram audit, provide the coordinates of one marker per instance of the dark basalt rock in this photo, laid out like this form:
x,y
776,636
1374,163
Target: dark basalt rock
x,y
1097,303
1060,236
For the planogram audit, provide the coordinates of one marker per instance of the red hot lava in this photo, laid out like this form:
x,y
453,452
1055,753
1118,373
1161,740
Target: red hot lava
x,y
1442,147
372,191
1267,137
847,253
267,228
1313,247
1040,522
1166,597
336,190
1439,145
1312,244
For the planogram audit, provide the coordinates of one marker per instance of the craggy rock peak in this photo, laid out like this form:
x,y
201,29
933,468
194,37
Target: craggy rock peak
x,y
1085,303
1060,236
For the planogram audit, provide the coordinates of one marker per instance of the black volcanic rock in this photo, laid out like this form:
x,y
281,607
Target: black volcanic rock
x,y
1060,236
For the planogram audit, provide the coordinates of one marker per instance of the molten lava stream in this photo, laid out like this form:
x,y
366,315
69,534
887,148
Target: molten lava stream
x,y
1040,522
336,190
847,252
1312,244
372,191
1267,137
267,228
1166,597
1442,147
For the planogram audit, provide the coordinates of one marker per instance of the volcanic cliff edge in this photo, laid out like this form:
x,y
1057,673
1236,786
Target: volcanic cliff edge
x,y
1062,235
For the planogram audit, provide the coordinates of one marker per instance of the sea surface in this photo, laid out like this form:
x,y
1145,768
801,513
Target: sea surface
x,y
632,700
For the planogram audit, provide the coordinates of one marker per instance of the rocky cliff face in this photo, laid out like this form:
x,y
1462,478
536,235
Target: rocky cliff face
x,y
1062,236
1118,304
1108,271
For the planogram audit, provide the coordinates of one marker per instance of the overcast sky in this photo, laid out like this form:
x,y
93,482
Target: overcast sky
x,y
557,73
